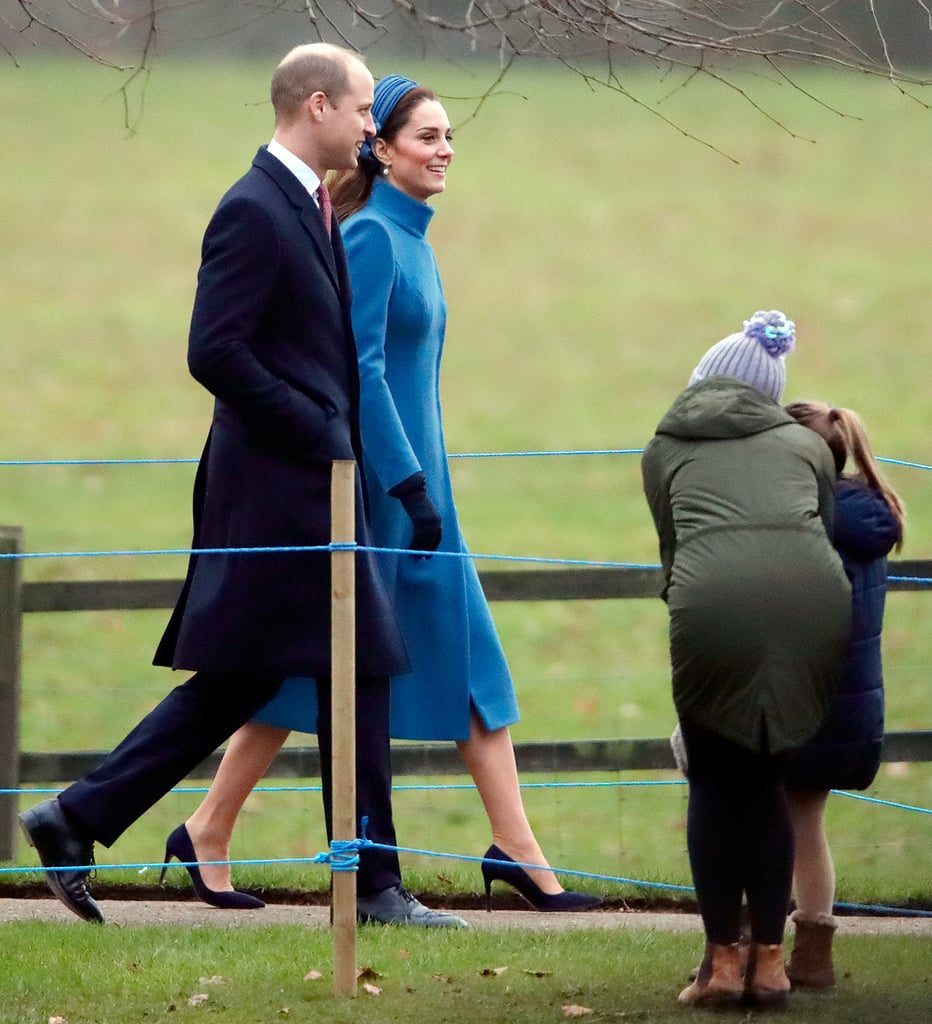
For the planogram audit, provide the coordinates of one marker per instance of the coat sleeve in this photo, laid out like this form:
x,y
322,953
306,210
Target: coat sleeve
x,y
240,265
372,272
865,525
657,492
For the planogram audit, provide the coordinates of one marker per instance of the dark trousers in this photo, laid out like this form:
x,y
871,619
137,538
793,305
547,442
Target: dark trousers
x,y
196,718
739,836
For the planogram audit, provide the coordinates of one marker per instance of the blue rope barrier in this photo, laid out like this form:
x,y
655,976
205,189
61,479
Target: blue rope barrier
x,y
318,858
619,879
352,546
557,453
878,910
344,856
882,803
187,461
469,786
903,462
95,462
404,788
311,548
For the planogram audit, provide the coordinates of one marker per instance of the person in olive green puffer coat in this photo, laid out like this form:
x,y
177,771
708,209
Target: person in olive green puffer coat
x,y
743,501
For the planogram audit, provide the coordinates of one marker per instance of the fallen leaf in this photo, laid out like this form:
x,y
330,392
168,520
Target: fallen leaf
x,y
492,972
442,977
576,1011
57,1020
373,990
538,974
284,1011
214,979
313,976
198,998
402,954
585,705
367,974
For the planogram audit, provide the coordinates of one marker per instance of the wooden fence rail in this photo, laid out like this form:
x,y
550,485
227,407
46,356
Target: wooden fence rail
x,y
18,598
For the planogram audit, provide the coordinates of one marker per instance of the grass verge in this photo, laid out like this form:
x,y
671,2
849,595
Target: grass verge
x,y
158,974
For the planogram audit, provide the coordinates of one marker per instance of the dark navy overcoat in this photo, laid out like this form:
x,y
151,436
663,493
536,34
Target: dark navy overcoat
x,y
271,339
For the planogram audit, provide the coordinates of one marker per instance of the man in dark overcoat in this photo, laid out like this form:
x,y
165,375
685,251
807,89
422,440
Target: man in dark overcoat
x,y
271,340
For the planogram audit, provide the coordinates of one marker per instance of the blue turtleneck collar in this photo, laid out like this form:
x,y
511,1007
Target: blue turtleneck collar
x,y
409,213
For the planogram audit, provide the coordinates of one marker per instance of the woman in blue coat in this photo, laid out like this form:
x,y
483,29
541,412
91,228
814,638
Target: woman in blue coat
x,y
845,753
460,687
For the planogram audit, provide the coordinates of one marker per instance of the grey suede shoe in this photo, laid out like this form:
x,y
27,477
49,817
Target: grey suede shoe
x,y
397,906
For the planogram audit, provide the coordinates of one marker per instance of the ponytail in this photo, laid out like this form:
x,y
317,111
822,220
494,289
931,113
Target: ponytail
x,y
844,433
350,189
859,449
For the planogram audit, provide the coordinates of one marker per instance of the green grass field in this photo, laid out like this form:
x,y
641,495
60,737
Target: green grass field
x,y
256,974
590,254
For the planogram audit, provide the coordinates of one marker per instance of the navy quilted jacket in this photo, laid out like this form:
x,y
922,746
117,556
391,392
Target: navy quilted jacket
x,y
845,753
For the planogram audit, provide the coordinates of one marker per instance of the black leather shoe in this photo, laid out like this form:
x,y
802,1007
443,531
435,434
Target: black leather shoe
x,y
48,831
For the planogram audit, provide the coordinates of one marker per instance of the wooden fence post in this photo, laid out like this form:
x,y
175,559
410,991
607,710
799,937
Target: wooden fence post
x,y
343,717
11,625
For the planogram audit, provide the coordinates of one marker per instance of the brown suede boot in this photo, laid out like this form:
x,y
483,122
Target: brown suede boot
x,y
810,963
719,981
744,943
765,980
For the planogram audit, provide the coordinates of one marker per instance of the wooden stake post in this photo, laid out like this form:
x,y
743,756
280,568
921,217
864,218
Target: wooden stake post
x,y
343,656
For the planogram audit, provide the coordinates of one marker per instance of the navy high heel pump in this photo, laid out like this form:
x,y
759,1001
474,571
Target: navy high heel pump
x,y
179,845
515,876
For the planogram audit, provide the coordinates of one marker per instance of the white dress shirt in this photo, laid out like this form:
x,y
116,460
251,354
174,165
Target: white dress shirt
x,y
297,167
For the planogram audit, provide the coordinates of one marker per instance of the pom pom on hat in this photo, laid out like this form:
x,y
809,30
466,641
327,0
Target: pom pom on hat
x,y
755,356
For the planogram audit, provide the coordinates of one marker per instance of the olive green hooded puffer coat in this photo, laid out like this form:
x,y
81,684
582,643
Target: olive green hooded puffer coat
x,y
743,500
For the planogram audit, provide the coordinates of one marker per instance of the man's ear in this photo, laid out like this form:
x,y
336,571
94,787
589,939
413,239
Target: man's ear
x,y
316,105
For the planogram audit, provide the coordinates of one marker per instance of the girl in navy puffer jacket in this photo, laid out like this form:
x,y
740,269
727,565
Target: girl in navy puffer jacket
x,y
845,753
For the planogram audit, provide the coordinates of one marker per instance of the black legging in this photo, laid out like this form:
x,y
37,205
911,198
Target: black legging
x,y
739,836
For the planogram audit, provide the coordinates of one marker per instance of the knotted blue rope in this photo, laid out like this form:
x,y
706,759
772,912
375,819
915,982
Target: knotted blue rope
x,y
344,855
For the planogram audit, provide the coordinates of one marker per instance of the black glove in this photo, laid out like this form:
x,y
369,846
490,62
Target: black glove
x,y
412,493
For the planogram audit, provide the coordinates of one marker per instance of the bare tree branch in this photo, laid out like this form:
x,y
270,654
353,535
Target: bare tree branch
x,y
716,38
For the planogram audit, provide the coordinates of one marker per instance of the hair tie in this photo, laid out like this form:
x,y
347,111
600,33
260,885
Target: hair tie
x,y
773,330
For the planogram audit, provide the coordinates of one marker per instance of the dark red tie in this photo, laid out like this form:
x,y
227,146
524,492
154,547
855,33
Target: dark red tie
x,y
323,197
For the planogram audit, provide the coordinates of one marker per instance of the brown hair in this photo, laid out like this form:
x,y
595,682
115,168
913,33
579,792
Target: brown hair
x,y
844,433
350,189
310,68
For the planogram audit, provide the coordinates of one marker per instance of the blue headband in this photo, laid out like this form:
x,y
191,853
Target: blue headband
x,y
388,92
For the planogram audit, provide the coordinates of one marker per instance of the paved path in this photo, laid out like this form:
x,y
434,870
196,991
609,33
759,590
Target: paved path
x,y
196,915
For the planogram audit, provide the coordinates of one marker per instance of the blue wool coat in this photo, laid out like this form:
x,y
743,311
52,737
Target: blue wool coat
x,y
845,753
399,319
